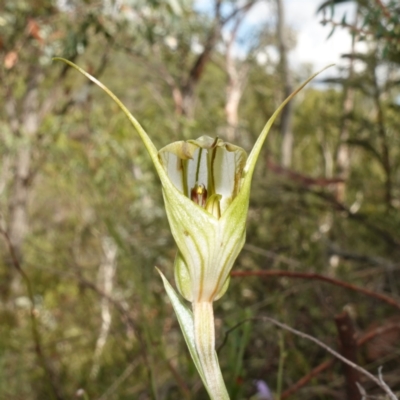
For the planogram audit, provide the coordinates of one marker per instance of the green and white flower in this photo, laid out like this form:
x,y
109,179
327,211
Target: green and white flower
x,y
209,173
206,187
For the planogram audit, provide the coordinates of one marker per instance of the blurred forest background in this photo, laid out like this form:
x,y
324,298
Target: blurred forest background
x,y
83,313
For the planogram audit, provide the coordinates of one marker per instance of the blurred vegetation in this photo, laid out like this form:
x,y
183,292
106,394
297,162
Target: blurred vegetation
x,y
82,213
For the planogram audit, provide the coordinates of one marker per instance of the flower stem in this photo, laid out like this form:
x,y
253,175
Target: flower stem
x,y
204,332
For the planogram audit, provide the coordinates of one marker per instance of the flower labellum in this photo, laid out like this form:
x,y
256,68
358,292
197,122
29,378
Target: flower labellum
x,y
203,168
208,172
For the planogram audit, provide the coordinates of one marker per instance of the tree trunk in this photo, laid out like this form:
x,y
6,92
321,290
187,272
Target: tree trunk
x,y
234,91
347,336
106,276
25,127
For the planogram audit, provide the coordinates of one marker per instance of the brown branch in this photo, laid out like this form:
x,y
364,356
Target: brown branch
x,y
304,180
311,275
307,378
198,67
381,330
329,363
378,381
301,382
384,9
246,7
321,367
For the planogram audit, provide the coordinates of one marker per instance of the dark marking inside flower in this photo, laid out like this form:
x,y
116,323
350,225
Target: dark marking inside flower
x,y
186,233
199,195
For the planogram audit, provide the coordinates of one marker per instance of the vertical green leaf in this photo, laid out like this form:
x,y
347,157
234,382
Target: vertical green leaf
x,y
186,322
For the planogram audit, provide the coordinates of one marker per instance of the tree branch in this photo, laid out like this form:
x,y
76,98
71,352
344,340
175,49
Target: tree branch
x,y
378,381
329,363
311,275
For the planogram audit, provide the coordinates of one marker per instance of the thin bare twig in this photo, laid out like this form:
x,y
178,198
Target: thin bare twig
x,y
328,363
311,275
322,367
379,381
307,378
381,330
384,384
229,331
118,382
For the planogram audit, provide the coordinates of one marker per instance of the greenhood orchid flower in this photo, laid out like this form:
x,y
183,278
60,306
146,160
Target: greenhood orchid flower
x,y
206,188
208,172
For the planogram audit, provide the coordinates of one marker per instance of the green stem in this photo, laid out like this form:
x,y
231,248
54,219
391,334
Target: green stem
x,y
204,333
280,367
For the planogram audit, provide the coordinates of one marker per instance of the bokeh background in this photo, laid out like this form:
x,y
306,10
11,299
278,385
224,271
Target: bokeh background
x,y
83,313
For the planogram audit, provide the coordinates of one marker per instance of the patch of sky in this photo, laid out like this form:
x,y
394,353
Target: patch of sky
x,y
315,47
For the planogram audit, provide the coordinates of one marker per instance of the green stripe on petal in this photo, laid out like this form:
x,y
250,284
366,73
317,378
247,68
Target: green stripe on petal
x,y
227,170
207,162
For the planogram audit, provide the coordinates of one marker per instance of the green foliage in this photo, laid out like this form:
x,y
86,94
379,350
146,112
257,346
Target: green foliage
x,y
378,22
90,181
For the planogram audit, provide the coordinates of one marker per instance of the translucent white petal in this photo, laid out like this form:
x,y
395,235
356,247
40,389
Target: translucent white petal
x,y
174,169
197,169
